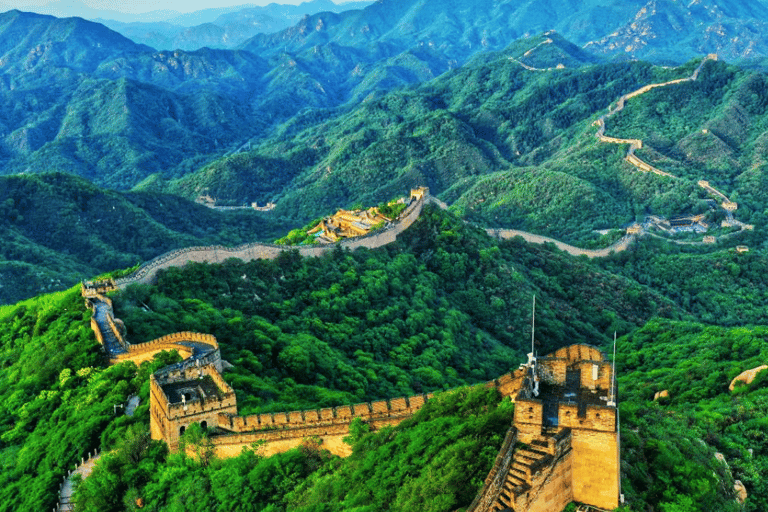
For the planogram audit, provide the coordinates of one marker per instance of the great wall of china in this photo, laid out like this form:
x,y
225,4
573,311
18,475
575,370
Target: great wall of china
x,y
218,254
555,464
635,144
569,452
194,392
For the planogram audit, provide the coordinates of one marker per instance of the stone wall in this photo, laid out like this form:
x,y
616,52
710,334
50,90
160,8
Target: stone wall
x,y
529,418
551,488
218,254
596,468
141,352
489,494
396,408
595,370
284,430
97,331
596,417
282,439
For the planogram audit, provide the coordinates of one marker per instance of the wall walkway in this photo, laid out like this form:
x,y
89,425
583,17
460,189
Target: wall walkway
x,y
218,254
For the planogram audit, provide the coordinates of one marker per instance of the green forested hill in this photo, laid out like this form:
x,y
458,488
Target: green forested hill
x,y
510,147
58,229
445,305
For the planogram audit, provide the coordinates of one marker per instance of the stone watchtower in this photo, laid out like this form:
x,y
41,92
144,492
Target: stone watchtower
x,y
572,390
179,398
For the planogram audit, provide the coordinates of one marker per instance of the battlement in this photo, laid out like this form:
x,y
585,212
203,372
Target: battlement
x,y
396,408
190,395
281,430
572,390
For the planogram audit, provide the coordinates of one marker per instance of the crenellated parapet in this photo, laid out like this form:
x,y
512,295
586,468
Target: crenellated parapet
x,y
194,395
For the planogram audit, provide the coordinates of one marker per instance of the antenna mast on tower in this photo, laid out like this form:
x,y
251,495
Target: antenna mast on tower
x,y
533,327
532,355
612,401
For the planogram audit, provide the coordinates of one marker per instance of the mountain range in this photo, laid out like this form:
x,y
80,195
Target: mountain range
x,y
222,27
77,97
540,117
356,106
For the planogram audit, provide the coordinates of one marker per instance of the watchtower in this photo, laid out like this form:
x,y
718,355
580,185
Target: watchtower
x,y
189,395
576,392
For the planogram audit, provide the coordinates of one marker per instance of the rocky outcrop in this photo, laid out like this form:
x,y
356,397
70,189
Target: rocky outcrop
x,y
747,376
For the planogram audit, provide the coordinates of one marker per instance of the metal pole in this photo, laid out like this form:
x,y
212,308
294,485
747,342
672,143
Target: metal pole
x,y
533,327
613,371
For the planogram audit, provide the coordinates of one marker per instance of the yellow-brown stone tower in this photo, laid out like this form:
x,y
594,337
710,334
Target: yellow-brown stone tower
x,y
572,390
179,398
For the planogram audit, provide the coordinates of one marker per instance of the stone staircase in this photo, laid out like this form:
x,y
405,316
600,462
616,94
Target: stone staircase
x,y
528,471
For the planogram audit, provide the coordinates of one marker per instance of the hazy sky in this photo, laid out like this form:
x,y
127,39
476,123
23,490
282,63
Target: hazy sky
x,y
95,8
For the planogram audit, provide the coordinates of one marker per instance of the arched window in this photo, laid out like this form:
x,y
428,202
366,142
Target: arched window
x,y
181,430
204,424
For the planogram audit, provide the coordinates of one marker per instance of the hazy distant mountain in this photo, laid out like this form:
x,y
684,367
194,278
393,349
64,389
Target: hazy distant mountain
x,y
225,27
671,29
80,98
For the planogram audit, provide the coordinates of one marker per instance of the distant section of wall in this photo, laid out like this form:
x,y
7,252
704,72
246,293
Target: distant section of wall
x,y
507,234
218,254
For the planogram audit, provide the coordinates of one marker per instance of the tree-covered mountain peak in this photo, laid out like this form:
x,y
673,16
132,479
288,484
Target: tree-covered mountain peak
x,y
29,38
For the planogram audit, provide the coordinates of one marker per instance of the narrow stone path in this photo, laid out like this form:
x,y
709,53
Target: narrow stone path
x,y
67,488
102,310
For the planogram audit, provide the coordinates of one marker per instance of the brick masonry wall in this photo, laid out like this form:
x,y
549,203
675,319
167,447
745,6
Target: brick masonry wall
x,y
599,418
552,488
529,414
141,352
596,468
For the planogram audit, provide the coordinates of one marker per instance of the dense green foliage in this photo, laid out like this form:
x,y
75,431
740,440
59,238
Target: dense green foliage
x,y
423,314
435,461
58,229
668,445
445,306
722,287
419,315
56,398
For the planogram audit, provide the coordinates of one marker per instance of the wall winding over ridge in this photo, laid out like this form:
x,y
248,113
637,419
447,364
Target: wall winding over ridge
x,y
218,254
